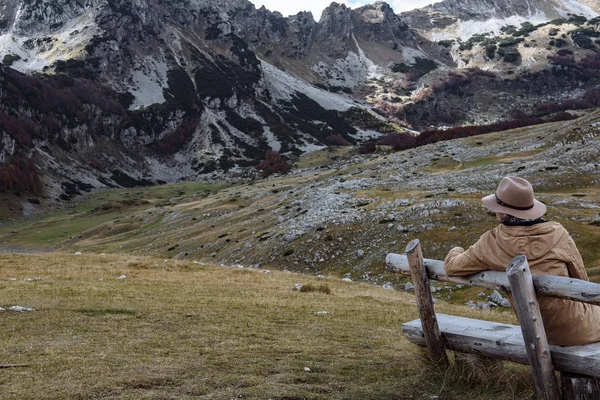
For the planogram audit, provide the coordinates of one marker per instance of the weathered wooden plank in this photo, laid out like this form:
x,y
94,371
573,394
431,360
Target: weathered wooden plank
x,y
431,331
555,286
505,342
532,326
579,387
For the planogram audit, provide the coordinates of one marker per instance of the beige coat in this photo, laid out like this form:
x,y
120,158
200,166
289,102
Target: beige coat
x,y
550,250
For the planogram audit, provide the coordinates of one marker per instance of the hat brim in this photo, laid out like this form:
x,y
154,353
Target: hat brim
x,y
538,210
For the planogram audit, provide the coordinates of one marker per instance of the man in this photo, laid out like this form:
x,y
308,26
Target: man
x,y
550,250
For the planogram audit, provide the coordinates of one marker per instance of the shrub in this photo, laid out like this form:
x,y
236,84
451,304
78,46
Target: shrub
x,y
476,71
399,141
435,136
273,163
336,140
563,61
490,51
20,176
591,62
10,58
560,43
509,41
96,165
508,29
367,148
577,19
400,67
21,130
526,29
176,140
424,65
322,288
512,57
563,116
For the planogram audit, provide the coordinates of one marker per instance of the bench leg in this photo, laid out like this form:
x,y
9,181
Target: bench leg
x,y
579,387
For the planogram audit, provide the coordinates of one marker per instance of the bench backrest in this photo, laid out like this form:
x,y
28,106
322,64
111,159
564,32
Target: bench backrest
x,y
548,285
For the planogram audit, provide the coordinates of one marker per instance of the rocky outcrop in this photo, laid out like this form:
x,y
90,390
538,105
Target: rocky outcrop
x,y
463,18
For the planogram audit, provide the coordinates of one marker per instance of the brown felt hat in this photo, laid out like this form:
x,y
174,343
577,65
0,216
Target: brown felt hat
x,y
514,196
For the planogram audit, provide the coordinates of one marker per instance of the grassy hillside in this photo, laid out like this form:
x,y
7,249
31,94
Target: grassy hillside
x,y
336,203
175,329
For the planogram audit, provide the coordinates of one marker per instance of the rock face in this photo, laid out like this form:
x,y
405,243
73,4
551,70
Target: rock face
x,y
197,86
464,18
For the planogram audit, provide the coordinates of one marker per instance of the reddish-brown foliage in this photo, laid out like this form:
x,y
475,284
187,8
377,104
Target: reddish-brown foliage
x,y
367,148
336,140
22,129
399,141
591,62
20,176
434,136
563,61
563,116
476,71
273,163
96,165
176,140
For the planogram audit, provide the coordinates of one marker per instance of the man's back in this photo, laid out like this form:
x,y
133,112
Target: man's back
x,y
550,250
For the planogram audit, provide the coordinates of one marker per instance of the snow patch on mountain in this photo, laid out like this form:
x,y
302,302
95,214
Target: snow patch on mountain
x,y
372,72
149,78
272,141
345,72
283,86
467,29
42,50
310,147
364,135
410,55
575,7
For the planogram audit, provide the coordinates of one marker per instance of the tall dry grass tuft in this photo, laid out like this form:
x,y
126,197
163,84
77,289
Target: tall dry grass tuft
x,y
322,288
487,373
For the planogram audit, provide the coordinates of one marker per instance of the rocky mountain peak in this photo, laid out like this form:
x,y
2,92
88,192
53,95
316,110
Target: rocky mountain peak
x,y
336,19
376,12
378,22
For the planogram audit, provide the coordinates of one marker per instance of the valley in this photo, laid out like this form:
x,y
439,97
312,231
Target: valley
x,y
336,204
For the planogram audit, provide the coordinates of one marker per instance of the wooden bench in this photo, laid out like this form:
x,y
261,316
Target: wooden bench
x,y
579,366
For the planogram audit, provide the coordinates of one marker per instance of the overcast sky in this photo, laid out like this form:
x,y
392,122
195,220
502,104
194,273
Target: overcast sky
x,y
290,7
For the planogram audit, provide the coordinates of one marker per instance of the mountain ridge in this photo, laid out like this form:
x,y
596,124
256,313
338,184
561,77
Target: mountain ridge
x,y
205,87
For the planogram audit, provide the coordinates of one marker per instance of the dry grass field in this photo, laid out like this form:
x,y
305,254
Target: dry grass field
x,y
175,329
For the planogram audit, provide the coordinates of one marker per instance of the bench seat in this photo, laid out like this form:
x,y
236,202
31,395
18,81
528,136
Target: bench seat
x,y
502,341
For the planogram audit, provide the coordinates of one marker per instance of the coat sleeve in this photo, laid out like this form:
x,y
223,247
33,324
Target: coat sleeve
x,y
459,262
575,264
